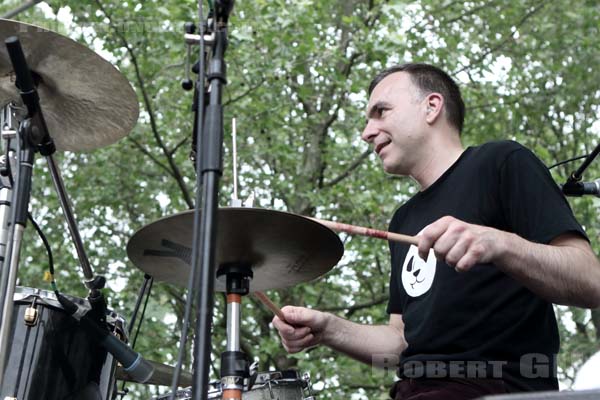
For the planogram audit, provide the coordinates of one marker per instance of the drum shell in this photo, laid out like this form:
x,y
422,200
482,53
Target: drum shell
x,y
55,359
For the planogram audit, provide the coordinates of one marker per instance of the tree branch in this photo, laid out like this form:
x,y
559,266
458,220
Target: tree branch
x,y
147,153
244,94
348,170
176,173
503,42
178,145
349,310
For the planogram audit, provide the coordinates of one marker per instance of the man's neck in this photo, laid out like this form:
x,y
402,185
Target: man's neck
x,y
440,159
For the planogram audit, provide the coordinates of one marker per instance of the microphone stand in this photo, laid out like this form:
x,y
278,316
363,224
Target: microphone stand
x,y
208,128
574,186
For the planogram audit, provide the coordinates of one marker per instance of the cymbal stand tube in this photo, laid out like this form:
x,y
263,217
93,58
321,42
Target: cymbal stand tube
x,y
7,307
232,376
9,126
5,194
233,322
20,199
234,364
68,213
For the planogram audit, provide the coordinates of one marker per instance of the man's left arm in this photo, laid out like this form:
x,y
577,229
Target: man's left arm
x,y
565,271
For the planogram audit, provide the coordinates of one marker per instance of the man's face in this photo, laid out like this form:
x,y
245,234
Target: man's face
x,y
396,123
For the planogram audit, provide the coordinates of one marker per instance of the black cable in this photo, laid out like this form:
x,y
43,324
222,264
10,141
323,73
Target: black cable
x,y
568,161
34,223
48,250
139,326
138,301
190,288
124,390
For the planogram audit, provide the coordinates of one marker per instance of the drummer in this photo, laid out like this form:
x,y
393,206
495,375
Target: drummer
x,y
471,306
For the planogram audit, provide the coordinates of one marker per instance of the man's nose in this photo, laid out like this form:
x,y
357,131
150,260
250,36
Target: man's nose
x,y
370,131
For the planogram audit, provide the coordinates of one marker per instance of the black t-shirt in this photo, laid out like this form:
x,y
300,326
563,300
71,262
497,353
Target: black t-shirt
x,y
481,323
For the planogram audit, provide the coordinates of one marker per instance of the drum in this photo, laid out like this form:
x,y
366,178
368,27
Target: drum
x,y
286,385
51,357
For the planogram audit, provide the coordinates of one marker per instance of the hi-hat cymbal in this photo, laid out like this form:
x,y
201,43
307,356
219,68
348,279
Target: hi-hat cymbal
x,y
162,375
87,103
282,249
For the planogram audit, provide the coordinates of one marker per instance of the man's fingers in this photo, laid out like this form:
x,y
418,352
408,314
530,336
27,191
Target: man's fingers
x,y
454,253
429,235
294,346
299,316
291,333
473,255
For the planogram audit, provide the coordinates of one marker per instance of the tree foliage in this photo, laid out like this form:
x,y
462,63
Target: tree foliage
x,y
297,77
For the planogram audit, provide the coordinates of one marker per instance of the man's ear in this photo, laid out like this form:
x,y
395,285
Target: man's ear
x,y
434,103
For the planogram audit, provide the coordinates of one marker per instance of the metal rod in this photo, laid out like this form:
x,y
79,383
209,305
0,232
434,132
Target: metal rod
x,y
206,267
5,195
68,213
8,275
234,148
20,9
6,323
579,173
233,326
210,140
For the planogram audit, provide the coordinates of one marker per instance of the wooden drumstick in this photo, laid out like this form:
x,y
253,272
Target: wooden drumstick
x,y
270,305
360,230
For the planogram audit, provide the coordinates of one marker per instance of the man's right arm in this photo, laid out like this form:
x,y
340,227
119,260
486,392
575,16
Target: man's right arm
x,y
304,327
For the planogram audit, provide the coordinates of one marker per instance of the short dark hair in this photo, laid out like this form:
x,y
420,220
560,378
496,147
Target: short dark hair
x,y
429,79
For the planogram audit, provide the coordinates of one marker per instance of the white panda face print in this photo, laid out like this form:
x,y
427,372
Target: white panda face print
x,y
417,274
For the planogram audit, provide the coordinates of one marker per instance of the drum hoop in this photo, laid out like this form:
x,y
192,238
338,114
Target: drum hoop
x,y
24,294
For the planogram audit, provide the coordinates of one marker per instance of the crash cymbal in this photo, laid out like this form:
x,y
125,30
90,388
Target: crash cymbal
x,y
87,103
162,375
282,249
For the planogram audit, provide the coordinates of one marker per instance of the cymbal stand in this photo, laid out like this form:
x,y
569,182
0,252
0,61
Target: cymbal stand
x,y
234,364
33,136
7,216
18,219
9,126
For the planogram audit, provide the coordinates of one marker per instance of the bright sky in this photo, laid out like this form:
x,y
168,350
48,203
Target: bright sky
x,y
588,376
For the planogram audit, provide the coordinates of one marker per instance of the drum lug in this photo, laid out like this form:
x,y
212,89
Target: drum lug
x,y
231,382
31,315
307,387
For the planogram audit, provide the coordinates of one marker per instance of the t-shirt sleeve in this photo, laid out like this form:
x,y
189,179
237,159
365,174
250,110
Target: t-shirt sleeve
x,y
532,203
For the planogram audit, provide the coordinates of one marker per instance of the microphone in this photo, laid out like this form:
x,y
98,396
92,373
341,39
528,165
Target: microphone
x,y
223,9
579,189
136,367
25,83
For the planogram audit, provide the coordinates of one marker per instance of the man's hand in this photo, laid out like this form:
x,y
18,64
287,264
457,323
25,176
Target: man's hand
x,y
301,329
459,244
